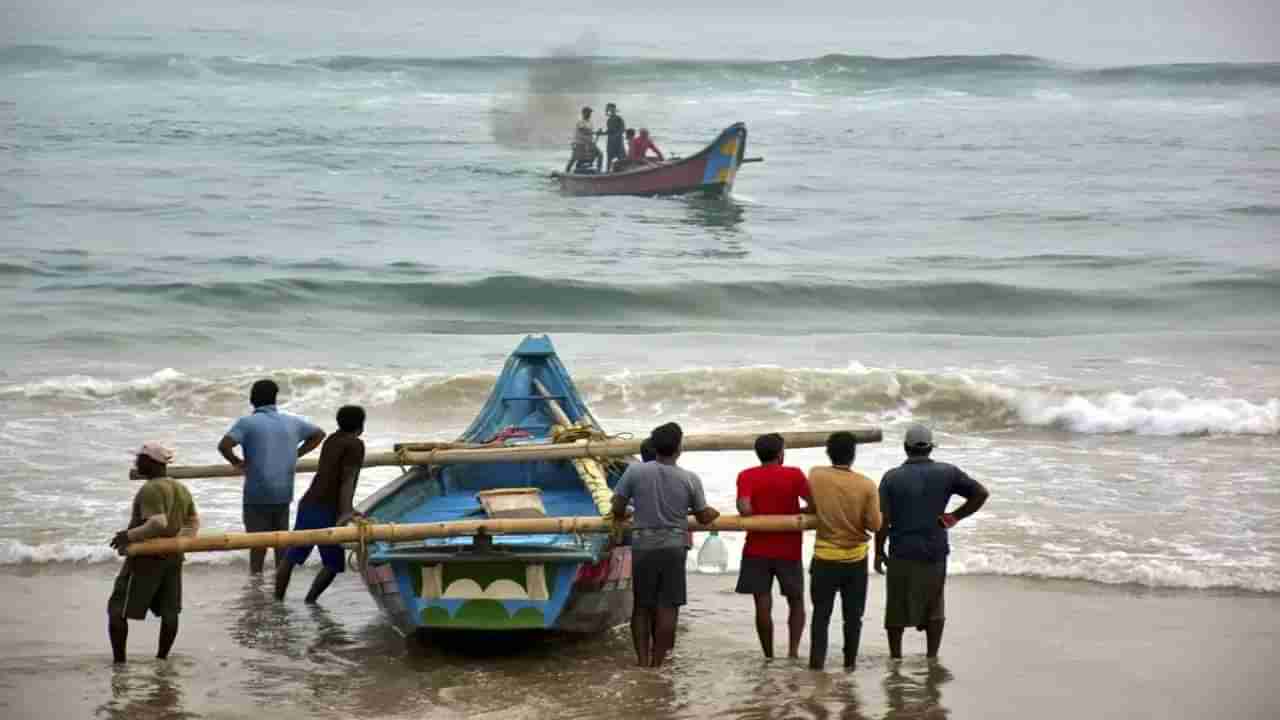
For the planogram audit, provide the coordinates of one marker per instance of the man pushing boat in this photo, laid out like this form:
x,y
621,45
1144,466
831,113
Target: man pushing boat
x,y
663,495
162,508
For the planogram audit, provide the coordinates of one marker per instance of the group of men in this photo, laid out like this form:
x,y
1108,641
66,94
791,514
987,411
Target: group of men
x,y
908,510
624,147
271,443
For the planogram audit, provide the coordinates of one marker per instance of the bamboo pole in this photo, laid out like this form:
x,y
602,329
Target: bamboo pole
x,y
611,447
421,531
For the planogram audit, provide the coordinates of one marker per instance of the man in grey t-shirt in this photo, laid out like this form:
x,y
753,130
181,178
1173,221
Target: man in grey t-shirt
x,y
663,495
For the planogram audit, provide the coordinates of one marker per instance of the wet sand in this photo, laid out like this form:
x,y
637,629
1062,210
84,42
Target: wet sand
x,y
1014,649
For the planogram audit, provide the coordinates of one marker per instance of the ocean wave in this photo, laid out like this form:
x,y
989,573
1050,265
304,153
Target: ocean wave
x,y
514,303
828,73
14,552
717,395
1116,568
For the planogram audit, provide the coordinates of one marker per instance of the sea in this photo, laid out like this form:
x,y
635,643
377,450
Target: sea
x,y
1070,271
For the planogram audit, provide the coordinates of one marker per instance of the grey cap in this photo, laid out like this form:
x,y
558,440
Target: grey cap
x,y
918,436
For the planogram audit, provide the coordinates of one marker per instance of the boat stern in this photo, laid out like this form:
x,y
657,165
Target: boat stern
x,y
503,592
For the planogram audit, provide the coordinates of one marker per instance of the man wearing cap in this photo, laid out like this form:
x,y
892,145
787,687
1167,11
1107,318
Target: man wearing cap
x,y
584,143
272,442
162,508
913,502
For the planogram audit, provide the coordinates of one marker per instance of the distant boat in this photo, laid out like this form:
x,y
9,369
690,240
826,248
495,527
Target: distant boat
x,y
506,582
711,171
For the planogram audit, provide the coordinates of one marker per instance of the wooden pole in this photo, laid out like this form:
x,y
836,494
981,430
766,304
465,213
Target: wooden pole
x,y
612,447
421,531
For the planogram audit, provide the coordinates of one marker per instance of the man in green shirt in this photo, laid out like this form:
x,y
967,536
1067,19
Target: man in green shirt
x,y
162,508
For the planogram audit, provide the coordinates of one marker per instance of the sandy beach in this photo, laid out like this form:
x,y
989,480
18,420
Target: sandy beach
x,y
1014,648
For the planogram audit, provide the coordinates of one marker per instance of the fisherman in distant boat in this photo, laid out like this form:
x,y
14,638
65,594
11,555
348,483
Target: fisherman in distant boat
x,y
663,495
585,154
641,146
328,502
614,128
162,508
272,442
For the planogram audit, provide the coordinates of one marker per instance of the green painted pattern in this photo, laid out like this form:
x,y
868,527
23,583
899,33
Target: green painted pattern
x,y
484,573
483,615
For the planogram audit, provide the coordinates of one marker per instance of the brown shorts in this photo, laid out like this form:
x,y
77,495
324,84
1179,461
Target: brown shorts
x,y
151,584
914,594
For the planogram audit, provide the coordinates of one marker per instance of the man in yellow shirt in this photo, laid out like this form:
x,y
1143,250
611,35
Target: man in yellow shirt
x,y
848,509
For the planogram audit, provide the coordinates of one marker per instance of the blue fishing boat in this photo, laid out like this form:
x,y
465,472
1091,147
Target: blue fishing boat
x,y
574,583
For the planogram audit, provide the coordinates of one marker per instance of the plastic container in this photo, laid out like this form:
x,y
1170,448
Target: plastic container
x,y
713,556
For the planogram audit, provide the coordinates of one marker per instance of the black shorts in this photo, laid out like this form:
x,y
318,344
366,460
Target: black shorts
x,y
266,518
757,574
144,584
658,577
616,149
914,593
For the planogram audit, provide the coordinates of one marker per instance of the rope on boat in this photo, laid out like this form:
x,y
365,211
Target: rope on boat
x,y
591,470
365,527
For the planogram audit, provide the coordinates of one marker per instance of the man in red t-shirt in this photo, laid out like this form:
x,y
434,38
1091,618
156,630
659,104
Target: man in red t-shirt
x,y
773,489
640,147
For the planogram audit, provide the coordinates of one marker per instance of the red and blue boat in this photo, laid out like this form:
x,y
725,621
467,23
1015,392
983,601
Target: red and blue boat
x,y
711,171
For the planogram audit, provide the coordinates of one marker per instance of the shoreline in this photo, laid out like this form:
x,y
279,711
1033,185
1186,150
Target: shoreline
x,y
1013,647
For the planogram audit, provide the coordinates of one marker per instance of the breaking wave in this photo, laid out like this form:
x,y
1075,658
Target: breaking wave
x,y
832,73
501,303
714,395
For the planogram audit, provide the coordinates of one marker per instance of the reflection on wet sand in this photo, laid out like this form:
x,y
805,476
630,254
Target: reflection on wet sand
x,y
913,693
143,691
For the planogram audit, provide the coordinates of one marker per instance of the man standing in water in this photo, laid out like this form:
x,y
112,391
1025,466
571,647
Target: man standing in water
x,y
913,499
663,495
614,128
272,441
772,488
162,508
328,502
848,511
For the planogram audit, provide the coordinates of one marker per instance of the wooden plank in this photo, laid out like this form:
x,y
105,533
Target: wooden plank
x,y
612,447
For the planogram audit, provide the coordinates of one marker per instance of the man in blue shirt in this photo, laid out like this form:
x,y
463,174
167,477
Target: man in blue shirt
x,y
272,442
913,504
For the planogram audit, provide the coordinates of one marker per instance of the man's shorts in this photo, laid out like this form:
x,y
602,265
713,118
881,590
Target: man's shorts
x,y
914,593
144,584
266,518
615,148
312,517
658,577
757,574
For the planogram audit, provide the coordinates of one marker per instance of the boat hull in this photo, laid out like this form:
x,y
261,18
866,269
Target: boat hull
x,y
712,171
587,597
563,582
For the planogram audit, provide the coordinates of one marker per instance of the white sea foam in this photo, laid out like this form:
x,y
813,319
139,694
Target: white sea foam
x,y
1119,568
13,552
713,395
